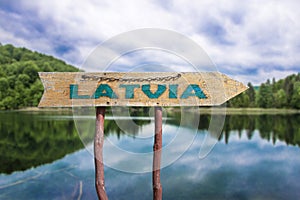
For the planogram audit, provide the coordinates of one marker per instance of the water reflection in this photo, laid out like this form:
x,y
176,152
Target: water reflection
x,y
257,157
270,127
237,168
32,139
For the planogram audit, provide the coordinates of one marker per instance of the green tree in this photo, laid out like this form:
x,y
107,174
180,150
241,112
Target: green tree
x,y
47,67
251,95
280,99
245,102
35,92
24,79
288,88
31,70
3,87
8,103
265,96
2,73
17,54
20,94
11,81
295,101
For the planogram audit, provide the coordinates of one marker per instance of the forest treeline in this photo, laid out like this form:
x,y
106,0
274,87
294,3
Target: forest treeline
x,y
20,86
284,93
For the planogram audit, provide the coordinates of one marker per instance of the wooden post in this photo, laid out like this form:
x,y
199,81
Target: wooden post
x,y
98,151
157,188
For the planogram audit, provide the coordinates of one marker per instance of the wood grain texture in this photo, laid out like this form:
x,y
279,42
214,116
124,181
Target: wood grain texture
x,y
130,89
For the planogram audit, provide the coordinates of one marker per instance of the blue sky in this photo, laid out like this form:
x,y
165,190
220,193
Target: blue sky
x,y
248,40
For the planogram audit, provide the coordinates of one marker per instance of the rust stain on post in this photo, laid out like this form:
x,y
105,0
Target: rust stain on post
x,y
157,188
98,151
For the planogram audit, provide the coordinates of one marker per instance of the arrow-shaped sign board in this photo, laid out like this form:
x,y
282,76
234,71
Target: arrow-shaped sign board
x,y
66,89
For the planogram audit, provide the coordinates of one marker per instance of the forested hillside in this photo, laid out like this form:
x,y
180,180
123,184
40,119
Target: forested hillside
x,y
284,93
19,83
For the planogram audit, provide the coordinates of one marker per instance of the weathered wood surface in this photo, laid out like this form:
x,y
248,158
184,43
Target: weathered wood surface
x,y
66,89
157,151
98,153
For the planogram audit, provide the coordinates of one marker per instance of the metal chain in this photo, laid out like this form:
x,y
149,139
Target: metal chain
x,y
111,79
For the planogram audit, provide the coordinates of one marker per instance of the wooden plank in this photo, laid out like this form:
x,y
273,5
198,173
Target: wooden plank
x,y
66,89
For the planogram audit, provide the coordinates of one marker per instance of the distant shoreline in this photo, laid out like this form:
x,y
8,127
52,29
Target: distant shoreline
x,y
203,110
252,111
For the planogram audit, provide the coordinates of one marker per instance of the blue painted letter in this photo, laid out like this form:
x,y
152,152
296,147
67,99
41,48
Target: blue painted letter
x,y
74,93
173,91
189,92
160,89
104,90
129,90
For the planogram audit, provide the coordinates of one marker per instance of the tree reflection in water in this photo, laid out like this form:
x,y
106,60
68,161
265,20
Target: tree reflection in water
x,y
31,139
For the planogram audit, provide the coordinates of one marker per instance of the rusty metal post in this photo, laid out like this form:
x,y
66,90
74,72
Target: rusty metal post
x,y
98,151
157,188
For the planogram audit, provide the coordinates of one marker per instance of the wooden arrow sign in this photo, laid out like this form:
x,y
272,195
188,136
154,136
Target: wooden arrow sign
x,y
68,89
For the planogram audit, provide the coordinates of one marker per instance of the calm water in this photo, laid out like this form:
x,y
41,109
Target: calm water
x,y
256,157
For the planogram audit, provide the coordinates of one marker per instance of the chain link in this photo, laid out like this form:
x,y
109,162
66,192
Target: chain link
x,y
111,79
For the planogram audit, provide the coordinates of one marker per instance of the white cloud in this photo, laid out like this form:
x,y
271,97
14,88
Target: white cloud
x,y
240,37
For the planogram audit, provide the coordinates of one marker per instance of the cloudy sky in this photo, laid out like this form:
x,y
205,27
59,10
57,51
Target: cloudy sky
x,y
249,40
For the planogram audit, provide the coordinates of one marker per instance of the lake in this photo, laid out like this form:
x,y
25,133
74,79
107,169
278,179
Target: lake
x,y
42,157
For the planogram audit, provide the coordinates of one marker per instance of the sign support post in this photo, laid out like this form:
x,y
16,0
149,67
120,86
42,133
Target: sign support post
x,y
157,148
98,151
